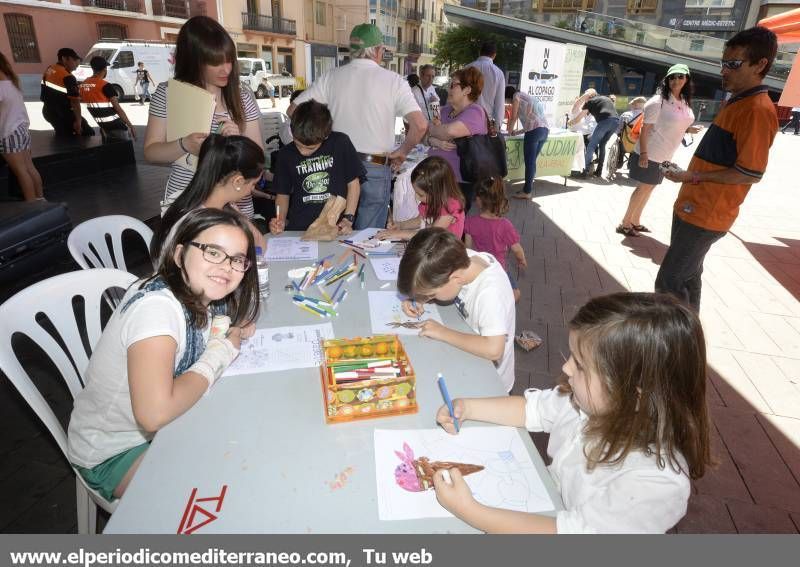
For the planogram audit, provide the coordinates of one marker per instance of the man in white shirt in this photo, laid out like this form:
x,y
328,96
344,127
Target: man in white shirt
x,y
426,95
364,99
493,96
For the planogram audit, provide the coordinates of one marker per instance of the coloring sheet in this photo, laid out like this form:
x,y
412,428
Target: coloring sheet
x,y
291,248
281,348
499,468
385,267
386,314
365,237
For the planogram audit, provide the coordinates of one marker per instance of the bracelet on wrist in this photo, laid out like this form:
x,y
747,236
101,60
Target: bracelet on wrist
x,y
180,144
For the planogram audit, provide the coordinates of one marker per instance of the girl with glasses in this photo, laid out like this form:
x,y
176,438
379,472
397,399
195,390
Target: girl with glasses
x,y
228,170
171,337
667,117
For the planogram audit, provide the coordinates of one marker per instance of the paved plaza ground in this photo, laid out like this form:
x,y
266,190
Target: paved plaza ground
x,y
750,312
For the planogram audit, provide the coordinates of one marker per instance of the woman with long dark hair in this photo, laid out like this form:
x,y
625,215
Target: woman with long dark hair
x,y
205,56
15,139
667,117
228,169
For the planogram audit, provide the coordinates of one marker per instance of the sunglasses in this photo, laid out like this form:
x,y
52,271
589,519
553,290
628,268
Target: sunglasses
x,y
677,77
731,63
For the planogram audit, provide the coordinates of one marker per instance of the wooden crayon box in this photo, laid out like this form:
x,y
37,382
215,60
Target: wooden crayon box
x,y
367,377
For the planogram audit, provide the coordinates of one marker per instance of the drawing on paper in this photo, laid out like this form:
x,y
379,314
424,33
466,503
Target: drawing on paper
x,y
416,475
509,478
282,348
387,316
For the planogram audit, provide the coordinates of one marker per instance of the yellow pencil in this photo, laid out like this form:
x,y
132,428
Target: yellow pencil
x,y
307,308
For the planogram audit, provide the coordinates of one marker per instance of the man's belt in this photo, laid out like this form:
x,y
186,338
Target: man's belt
x,y
377,159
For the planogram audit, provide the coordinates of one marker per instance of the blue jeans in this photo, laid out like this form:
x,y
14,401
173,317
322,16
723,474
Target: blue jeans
x,y
602,133
533,144
682,267
373,205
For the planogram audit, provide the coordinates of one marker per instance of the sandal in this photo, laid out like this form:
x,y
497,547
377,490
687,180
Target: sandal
x,y
640,228
627,230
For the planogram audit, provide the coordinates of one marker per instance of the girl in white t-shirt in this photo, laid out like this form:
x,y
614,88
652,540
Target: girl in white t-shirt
x,y
15,138
667,117
170,338
628,423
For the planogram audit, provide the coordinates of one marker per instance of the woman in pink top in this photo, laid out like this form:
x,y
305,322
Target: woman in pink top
x,y
491,232
440,201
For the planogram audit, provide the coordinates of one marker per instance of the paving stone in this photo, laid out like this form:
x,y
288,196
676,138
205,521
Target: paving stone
x,y
722,480
768,479
706,515
755,519
781,394
784,432
732,383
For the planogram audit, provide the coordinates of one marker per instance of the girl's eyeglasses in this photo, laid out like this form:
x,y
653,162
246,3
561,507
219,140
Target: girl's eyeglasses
x,y
677,77
731,63
216,256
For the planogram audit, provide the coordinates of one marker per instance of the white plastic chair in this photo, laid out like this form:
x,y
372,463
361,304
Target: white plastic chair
x,y
88,246
54,298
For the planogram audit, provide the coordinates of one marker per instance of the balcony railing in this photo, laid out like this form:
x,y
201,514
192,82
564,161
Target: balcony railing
x,y
410,48
257,22
178,8
122,5
415,15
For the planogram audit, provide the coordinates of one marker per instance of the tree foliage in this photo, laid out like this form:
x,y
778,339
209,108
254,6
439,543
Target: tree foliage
x,y
460,45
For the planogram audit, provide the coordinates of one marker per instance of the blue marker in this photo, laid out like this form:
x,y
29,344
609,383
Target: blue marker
x,y
414,305
447,400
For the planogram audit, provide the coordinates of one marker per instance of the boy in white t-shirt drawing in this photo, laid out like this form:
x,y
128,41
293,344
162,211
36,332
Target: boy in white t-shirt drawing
x,y
437,266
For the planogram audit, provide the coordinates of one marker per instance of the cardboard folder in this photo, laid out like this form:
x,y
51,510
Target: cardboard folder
x,y
189,109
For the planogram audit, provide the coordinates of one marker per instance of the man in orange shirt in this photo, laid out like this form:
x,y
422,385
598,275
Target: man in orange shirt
x,y
731,157
62,101
103,103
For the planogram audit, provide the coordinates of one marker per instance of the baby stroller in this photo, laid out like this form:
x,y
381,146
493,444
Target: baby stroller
x,y
626,140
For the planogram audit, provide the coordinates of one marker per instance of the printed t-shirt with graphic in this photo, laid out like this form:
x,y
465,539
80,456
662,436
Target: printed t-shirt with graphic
x,y
181,172
494,236
455,209
311,180
487,305
739,137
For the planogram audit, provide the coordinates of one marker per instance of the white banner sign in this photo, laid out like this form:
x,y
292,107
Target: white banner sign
x,y
552,73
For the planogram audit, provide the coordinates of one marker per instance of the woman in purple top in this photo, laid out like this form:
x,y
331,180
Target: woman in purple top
x,y
461,116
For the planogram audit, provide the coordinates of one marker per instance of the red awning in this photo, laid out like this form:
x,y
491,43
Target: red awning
x,y
786,26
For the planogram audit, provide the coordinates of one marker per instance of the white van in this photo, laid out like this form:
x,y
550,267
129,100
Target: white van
x,y
123,57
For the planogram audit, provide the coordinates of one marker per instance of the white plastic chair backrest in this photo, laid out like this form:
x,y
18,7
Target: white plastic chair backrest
x,y
53,297
271,123
88,246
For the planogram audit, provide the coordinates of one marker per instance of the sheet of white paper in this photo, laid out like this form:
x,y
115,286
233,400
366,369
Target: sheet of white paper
x,y
291,248
385,307
281,348
509,480
386,267
365,237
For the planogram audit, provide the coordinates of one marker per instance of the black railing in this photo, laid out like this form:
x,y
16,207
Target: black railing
x,y
416,15
410,48
122,5
257,22
178,8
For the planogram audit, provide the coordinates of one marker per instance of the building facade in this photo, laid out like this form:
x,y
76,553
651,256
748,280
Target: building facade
x,y
36,29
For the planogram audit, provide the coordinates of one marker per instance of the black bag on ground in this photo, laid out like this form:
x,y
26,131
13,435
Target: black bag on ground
x,y
33,237
482,155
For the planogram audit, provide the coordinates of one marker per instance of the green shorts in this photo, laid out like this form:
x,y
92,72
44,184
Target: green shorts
x,y
106,476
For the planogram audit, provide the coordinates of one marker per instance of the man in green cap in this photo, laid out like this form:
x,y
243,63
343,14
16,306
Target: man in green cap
x,y
364,100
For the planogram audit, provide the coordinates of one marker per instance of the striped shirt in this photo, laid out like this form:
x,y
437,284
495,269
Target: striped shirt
x,y
182,170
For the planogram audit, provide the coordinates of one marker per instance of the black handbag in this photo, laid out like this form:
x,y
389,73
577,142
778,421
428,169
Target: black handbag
x,y
482,155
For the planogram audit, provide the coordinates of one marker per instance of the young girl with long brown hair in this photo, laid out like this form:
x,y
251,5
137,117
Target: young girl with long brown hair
x,y
628,424
441,202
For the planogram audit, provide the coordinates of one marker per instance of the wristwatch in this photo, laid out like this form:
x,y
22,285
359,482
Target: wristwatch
x,y
349,217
